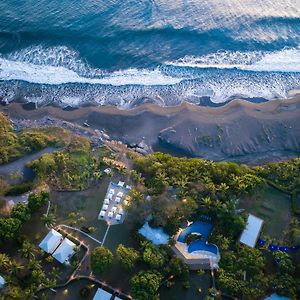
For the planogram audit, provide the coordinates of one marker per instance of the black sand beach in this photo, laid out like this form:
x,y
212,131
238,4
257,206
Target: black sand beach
x,y
240,130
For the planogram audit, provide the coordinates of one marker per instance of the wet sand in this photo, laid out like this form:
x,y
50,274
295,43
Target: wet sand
x,y
239,130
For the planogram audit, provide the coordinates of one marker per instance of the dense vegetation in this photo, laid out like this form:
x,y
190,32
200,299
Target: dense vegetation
x,y
15,144
204,188
169,190
72,168
24,275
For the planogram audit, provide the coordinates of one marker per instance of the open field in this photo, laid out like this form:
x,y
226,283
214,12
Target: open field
x,y
273,207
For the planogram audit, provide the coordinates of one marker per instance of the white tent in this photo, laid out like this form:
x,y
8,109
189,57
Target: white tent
x,y
120,194
2,282
106,201
118,199
51,241
114,209
110,214
64,251
121,183
102,214
251,232
118,217
102,295
111,191
105,207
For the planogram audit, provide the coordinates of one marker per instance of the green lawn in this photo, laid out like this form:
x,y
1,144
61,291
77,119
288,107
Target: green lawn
x,y
274,207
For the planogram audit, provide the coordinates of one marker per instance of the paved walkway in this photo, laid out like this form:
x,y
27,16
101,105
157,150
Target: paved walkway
x,y
82,232
105,235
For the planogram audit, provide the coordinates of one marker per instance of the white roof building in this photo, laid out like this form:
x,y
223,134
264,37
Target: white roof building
x,y
51,241
65,251
251,232
102,295
121,183
2,282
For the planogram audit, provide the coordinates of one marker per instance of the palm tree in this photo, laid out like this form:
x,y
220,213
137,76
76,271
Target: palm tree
x,y
27,250
4,261
15,268
206,201
49,220
162,176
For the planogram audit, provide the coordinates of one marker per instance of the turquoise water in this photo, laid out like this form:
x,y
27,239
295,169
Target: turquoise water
x,y
200,245
196,227
129,52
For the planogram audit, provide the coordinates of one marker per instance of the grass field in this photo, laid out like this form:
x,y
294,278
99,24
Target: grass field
x,y
273,207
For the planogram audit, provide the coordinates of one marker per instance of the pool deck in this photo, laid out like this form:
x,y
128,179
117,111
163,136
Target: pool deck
x,y
199,259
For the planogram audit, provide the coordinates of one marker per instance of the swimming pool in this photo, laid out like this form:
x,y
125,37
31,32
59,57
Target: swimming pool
x,y
202,246
196,227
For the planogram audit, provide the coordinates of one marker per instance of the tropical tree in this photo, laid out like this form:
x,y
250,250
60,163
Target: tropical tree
x,y
145,285
101,259
127,256
28,249
49,220
5,262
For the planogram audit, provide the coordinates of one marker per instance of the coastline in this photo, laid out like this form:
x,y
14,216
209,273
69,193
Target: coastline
x,y
240,130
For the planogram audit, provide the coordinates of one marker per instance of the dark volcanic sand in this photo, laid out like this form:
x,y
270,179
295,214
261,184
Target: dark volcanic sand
x,y
241,131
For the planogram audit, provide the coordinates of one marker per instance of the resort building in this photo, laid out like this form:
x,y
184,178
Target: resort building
x,y
102,295
51,241
197,254
251,232
2,282
65,251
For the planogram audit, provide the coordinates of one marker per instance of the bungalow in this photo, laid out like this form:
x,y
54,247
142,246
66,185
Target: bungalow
x,y
2,282
51,241
102,295
65,251
251,232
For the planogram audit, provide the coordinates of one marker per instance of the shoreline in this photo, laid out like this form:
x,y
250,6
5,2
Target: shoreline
x,y
240,130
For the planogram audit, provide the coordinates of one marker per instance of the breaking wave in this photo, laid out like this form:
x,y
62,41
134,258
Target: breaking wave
x,y
59,75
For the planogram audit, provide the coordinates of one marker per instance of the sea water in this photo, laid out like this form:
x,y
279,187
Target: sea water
x,y
128,52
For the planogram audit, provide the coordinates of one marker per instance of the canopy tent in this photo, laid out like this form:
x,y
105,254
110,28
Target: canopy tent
x,y
251,232
51,241
102,295
64,251
2,282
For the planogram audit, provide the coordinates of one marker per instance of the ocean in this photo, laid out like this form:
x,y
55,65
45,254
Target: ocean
x,y
128,52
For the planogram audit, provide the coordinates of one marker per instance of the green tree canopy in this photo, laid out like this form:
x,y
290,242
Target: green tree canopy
x,y
145,285
127,256
101,259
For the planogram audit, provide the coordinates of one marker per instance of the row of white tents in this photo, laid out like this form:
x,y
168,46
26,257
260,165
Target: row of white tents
x,y
62,249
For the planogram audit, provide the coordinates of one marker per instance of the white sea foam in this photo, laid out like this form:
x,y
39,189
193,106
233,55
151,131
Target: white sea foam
x,y
58,73
55,75
286,60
